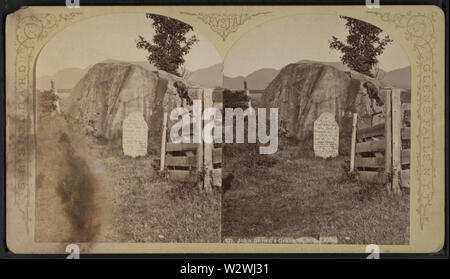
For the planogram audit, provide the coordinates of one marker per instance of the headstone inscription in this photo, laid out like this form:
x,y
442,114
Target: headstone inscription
x,y
134,135
326,136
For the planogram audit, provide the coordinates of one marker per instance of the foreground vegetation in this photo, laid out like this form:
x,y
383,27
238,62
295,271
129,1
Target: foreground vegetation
x,y
148,208
89,191
293,194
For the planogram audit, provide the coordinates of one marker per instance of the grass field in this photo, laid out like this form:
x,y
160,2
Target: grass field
x,y
88,190
149,208
293,194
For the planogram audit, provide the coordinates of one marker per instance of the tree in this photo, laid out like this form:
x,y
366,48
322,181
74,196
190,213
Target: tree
x,y
169,44
363,45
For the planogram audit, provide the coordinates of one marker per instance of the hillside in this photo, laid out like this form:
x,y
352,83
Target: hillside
x,y
257,80
65,79
207,77
213,76
260,79
399,78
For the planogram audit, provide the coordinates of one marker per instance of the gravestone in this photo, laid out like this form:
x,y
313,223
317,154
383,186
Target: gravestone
x,y
134,135
326,136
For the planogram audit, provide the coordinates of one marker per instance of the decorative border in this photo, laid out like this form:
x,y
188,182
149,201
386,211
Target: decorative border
x,y
34,26
30,30
419,29
224,24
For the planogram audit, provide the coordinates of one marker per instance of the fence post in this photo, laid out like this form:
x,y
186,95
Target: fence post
x,y
388,139
199,127
396,139
353,147
208,161
163,142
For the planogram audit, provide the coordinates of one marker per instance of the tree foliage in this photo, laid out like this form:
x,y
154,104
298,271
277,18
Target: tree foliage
x,y
362,46
169,45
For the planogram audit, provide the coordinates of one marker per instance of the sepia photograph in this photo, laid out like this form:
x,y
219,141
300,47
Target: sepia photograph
x,y
216,130
101,100
341,87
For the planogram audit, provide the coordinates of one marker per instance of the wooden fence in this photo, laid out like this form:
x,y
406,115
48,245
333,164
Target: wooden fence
x,y
194,162
401,122
381,153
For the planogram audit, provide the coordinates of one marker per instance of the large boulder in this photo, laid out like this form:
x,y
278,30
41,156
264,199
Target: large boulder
x,y
109,92
303,91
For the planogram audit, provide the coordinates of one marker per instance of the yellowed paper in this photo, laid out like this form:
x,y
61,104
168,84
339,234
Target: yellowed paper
x,y
74,75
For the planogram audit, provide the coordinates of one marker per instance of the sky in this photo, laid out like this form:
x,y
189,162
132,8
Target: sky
x,y
290,39
273,44
111,37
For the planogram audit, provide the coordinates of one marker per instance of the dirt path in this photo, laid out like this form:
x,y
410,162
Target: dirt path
x,y
71,201
89,192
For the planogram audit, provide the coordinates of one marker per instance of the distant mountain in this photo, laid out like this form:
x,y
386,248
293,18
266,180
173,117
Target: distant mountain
x,y
207,77
257,80
67,78
235,83
64,79
213,76
399,78
260,79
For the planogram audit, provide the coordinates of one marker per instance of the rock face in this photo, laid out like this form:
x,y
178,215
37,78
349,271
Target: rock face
x,y
303,91
109,92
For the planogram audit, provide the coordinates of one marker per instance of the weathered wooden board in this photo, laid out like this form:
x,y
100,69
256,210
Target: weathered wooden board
x,y
353,146
370,146
180,146
388,135
407,116
372,162
377,130
405,156
404,178
405,96
199,148
406,106
396,139
182,161
406,133
217,155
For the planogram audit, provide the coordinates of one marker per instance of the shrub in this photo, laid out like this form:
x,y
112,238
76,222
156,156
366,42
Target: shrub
x,y
46,101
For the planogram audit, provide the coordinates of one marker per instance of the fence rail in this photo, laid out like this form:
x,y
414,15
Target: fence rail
x,y
382,152
194,162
